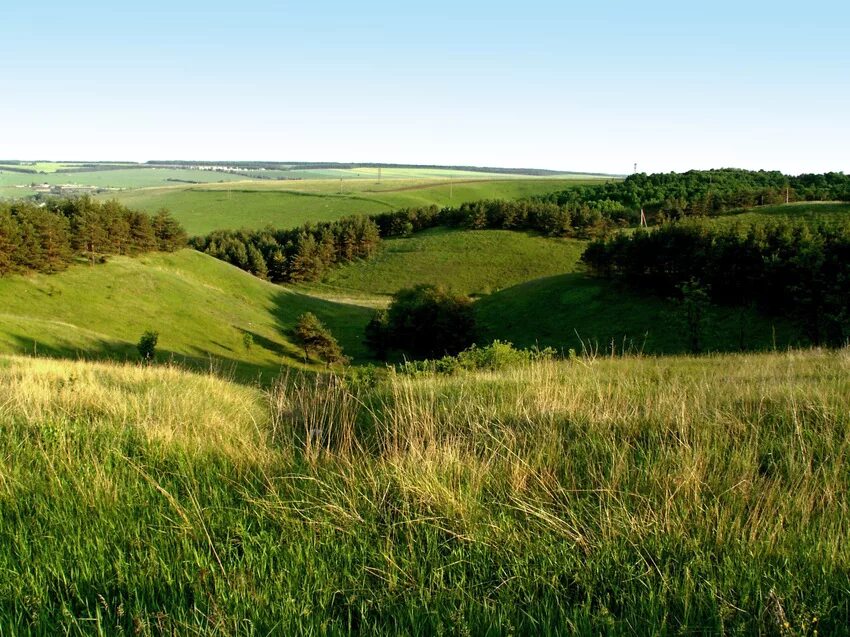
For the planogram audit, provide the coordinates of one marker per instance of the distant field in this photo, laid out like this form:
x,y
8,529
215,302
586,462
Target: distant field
x,y
393,173
562,311
200,306
116,179
125,176
473,262
256,204
39,167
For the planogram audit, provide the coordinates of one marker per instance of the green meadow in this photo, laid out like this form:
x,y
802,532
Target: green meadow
x,y
471,262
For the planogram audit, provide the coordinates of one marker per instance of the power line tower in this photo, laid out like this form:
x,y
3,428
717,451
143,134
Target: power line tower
x,y
635,169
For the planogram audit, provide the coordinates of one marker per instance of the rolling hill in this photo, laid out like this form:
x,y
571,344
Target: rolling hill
x,y
579,311
200,306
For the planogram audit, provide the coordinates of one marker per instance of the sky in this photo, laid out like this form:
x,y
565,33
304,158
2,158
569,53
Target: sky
x,y
591,86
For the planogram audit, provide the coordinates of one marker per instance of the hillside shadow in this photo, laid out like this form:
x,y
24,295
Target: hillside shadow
x,y
579,311
199,360
346,322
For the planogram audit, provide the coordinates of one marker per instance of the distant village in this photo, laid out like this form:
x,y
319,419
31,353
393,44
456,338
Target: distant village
x,y
62,189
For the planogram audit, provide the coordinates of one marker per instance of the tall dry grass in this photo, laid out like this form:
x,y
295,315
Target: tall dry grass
x,y
620,496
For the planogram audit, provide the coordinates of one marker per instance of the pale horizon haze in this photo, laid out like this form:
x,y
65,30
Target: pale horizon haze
x,y
589,87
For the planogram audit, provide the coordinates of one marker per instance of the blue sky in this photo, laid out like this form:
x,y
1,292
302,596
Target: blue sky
x,y
589,86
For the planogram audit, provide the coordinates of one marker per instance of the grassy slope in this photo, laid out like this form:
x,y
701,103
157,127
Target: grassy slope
x,y
816,211
472,262
654,496
575,310
550,311
200,306
289,204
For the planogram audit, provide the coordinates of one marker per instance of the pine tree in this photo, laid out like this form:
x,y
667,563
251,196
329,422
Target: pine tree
x,y
315,338
256,263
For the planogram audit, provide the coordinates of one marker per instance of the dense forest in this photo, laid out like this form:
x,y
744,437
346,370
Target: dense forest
x,y
302,254
791,269
585,212
49,237
701,192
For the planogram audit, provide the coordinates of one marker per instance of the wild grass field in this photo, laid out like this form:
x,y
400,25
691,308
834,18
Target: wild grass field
x,y
616,496
288,204
201,307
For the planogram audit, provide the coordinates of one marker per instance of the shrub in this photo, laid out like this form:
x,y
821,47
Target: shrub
x,y
427,321
147,345
497,355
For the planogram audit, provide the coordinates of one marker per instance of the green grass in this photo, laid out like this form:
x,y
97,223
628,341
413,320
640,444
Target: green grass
x,y
201,211
256,204
828,212
616,497
200,306
576,311
471,262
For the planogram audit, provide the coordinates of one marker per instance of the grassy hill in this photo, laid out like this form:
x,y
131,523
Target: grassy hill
x,y
200,306
575,310
255,204
621,497
472,262
829,212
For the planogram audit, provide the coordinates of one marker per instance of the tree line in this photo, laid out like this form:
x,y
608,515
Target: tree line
x,y
794,269
585,212
48,237
301,254
306,253
702,192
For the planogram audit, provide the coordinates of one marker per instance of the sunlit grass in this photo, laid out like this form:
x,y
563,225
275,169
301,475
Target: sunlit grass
x,y
608,496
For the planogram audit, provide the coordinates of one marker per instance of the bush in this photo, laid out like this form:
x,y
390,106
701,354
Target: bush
x,y
497,355
147,345
425,321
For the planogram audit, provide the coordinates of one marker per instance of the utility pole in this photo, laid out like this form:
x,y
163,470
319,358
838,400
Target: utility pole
x,y
340,185
379,174
451,187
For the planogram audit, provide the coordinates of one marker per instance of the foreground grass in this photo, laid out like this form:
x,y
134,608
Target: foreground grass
x,y
626,496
